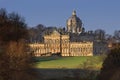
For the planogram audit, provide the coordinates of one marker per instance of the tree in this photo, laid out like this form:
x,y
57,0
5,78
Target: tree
x,y
13,28
32,34
14,58
3,16
36,33
108,37
117,35
111,66
100,34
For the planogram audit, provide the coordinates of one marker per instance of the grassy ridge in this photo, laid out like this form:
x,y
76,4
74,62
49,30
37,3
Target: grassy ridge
x,y
94,62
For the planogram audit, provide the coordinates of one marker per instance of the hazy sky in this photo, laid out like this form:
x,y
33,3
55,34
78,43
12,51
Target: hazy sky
x,y
95,14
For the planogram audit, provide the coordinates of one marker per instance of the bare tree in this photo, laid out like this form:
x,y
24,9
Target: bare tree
x,y
14,58
100,34
117,35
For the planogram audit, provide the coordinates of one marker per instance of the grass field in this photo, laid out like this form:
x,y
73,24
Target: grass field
x,y
94,62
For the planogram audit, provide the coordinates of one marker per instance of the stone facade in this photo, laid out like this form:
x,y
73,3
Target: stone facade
x,y
56,43
72,42
81,49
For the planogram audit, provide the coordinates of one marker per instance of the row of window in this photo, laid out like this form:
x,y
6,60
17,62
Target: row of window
x,y
56,40
65,49
81,54
82,45
81,50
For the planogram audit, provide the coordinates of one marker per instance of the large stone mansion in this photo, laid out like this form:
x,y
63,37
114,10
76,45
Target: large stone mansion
x,y
76,42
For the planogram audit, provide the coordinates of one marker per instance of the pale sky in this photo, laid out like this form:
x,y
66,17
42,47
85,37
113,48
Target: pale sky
x,y
95,14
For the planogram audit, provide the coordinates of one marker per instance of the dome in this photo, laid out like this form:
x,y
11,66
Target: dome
x,y
74,23
74,18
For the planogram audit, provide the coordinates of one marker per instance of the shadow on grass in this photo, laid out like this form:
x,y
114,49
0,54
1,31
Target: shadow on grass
x,y
65,74
45,58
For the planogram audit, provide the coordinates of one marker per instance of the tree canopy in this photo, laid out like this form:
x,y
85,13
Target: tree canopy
x,y
12,26
14,56
111,66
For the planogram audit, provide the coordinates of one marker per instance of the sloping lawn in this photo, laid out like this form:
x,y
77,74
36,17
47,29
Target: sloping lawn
x,y
94,62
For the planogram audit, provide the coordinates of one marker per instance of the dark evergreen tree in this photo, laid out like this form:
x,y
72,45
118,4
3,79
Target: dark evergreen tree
x,y
111,66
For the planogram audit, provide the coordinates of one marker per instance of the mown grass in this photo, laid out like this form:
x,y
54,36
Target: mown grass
x,y
81,62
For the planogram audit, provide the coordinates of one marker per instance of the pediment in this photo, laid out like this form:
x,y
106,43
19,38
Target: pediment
x,y
55,33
